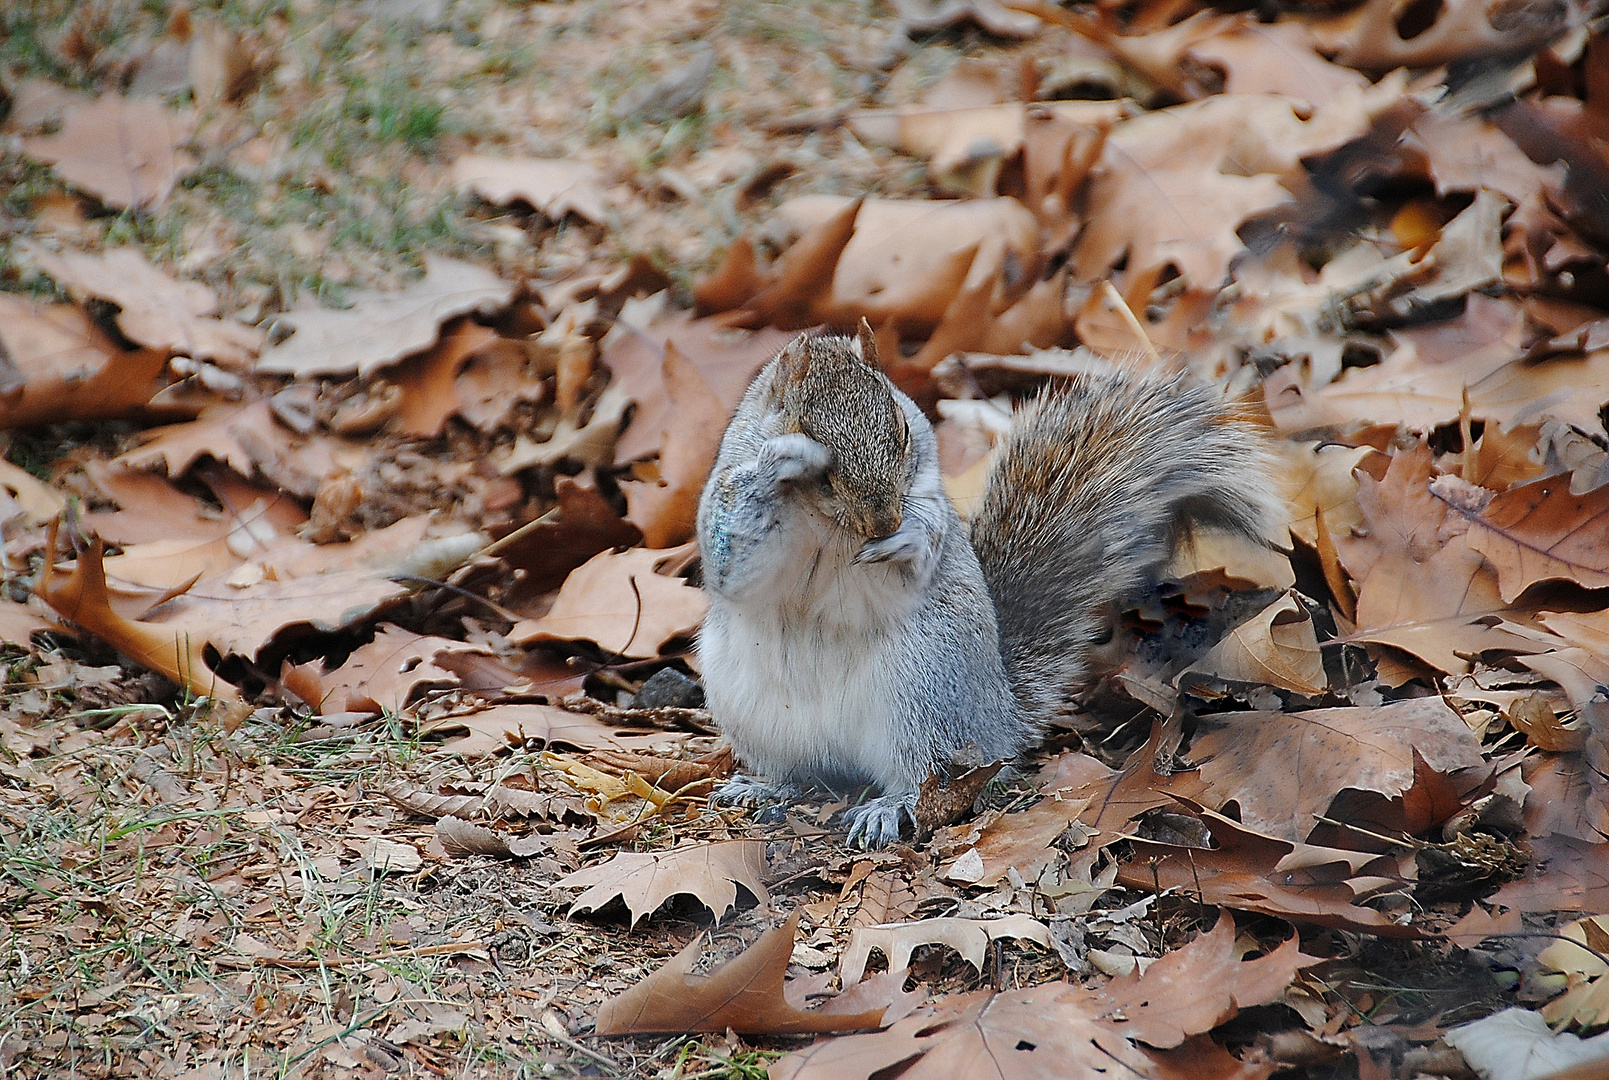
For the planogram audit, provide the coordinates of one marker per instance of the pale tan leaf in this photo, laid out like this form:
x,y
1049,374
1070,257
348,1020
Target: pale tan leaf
x,y
123,151
644,880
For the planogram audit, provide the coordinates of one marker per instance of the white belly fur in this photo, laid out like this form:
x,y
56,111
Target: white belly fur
x,y
804,690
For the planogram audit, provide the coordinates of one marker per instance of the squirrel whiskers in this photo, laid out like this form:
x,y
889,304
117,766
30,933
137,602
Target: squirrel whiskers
x,y
858,634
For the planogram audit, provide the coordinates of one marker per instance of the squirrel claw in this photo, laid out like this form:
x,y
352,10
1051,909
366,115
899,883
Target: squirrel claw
x,y
876,823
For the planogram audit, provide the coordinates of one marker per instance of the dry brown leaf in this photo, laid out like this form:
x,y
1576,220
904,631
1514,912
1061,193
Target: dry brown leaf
x,y
666,510
996,16
1192,990
907,260
1421,587
250,441
381,328
747,994
1252,871
1535,532
429,382
1024,842
460,837
124,152
503,726
1174,185
156,311
81,597
965,147
1059,1031
621,602
1380,35
1276,647
1117,798
1283,769
590,442
387,673
554,188
585,525
969,937
726,360
644,880
64,367
1320,478
1565,874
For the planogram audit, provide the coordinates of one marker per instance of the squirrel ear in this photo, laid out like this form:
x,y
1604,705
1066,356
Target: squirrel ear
x,y
868,343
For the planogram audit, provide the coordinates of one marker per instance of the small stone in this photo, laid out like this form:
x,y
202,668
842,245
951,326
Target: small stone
x,y
668,688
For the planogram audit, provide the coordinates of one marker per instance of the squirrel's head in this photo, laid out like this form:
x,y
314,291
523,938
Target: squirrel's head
x,y
829,387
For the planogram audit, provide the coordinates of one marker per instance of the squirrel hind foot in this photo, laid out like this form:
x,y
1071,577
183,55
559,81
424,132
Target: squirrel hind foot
x,y
877,822
754,791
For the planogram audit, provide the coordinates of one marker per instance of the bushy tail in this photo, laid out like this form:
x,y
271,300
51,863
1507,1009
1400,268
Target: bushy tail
x,y
1095,486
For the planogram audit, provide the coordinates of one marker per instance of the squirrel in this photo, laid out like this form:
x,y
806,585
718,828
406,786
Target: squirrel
x,y
859,633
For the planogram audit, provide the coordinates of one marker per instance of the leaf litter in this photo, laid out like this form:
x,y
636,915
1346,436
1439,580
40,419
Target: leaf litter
x,y
351,465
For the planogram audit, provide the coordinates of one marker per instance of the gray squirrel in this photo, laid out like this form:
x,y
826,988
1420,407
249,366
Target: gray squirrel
x,y
859,633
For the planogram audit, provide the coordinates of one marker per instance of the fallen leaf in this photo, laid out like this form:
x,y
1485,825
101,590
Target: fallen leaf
x,y
554,188
1174,185
746,994
1276,647
156,311
1565,874
667,509
1283,769
380,328
969,937
1023,841
1517,1044
1191,990
81,597
386,674
1380,35
644,880
1252,871
501,726
1422,587
430,381
622,603
64,367
1535,532
460,837
123,151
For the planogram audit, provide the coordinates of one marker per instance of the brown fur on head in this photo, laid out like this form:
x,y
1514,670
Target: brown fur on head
x,y
828,387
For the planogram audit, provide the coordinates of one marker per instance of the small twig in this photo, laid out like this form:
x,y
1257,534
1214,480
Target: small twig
x,y
1126,313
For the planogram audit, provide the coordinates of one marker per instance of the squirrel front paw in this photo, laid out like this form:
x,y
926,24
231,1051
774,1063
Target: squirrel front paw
x,y
791,458
910,546
876,823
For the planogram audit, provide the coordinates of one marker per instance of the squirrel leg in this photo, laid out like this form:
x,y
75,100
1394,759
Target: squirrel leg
x,y
876,823
743,508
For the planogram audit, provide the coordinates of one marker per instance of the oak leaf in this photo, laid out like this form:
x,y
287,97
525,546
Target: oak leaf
x,y
623,603
1421,586
969,937
56,364
380,328
1276,647
1252,871
1565,874
387,673
1535,532
1283,769
81,597
554,188
156,311
123,151
1380,35
747,994
1192,990
644,880
489,730
667,508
